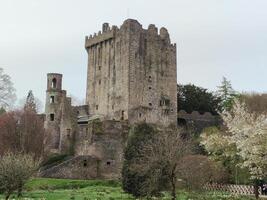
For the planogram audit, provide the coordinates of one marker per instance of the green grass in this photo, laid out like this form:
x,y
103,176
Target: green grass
x,y
63,189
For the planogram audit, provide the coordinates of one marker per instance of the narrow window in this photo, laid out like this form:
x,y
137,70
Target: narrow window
x,y
99,67
96,107
149,87
99,82
54,83
85,163
52,117
68,133
112,107
122,115
160,103
52,99
108,163
150,104
140,114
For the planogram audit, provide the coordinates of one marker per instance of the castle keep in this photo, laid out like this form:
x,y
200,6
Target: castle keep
x,y
131,78
132,74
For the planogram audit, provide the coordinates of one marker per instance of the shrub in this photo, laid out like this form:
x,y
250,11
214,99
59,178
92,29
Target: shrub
x,y
132,182
15,170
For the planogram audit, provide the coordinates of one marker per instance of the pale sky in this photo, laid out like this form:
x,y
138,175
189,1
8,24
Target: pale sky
x,y
214,38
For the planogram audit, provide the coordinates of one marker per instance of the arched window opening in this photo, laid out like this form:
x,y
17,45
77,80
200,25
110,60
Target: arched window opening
x,y
54,83
52,99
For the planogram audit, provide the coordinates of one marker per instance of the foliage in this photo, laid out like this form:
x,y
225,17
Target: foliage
x,y
15,170
220,150
247,136
7,91
159,160
21,131
197,170
255,102
226,94
132,182
193,98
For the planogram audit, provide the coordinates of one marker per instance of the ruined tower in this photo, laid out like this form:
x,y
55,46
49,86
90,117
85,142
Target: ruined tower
x,y
132,74
60,121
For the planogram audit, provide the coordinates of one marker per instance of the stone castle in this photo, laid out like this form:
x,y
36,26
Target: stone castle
x,y
131,78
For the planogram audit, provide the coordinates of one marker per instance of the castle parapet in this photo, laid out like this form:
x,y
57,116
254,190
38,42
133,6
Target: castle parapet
x,y
106,34
196,116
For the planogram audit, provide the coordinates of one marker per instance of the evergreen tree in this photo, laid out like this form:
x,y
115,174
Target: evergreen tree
x,y
2,111
30,104
133,182
193,98
227,94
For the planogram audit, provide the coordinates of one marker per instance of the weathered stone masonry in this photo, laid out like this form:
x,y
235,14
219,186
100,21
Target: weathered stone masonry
x,y
132,74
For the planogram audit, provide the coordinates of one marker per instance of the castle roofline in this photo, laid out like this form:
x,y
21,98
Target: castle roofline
x,y
54,74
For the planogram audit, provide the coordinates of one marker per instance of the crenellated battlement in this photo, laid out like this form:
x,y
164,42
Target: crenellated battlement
x,y
195,115
109,32
106,34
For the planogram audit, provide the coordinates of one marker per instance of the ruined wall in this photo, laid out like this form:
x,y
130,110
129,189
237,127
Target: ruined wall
x,y
104,140
61,120
196,122
132,74
78,167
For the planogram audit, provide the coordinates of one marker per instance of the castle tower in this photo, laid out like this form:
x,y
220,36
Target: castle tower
x,y
132,74
52,109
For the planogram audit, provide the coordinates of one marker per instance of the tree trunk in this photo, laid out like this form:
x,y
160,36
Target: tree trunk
x,y
256,189
173,180
7,196
20,191
173,188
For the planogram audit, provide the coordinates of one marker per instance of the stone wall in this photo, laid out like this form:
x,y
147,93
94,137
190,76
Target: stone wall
x,y
196,122
104,140
78,167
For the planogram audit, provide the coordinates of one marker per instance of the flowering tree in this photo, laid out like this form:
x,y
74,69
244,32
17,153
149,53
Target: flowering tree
x,y
246,138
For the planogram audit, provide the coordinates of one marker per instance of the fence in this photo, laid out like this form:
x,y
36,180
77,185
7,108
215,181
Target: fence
x,y
234,189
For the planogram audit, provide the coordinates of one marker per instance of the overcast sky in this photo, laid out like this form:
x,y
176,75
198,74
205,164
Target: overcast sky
x,y
214,38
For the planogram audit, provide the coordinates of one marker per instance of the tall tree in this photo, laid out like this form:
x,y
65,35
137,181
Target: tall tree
x,y
226,93
194,98
7,91
30,104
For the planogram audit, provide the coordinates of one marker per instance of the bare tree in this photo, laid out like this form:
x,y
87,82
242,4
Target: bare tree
x,y
15,170
21,131
160,159
7,91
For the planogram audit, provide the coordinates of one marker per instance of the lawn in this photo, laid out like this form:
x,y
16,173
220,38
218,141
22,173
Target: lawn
x,y
62,189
